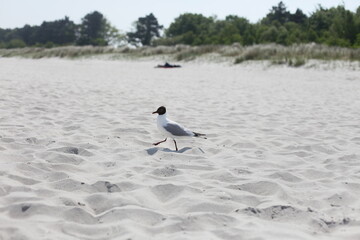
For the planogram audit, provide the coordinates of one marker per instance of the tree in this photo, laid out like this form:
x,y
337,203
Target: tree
x,y
192,29
334,26
320,20
343,25
277,13
59,32
231,30
113,36
93,30
27,34
225,33
268,34
146,29
189,22
298,17
242,24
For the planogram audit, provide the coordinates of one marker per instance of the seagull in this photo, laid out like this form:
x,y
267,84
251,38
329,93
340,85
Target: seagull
x,y
172,129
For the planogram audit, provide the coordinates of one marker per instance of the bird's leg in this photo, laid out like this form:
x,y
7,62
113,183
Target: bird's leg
x,y
175,145
159,142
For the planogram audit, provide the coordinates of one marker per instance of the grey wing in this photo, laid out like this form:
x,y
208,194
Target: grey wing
x,y
176,130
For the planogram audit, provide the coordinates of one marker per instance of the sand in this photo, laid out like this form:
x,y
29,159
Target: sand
x,y
282,158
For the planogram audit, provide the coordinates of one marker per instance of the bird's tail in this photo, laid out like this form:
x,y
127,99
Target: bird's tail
x,y
199,135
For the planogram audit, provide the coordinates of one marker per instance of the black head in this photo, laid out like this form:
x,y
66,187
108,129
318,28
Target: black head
x,y
161,110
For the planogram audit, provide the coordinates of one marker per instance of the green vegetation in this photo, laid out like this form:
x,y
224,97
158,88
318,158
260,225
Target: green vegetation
x,y
335,26
60,32
281,37
94,30
147,28
294,56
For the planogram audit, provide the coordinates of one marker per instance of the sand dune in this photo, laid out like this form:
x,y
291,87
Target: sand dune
x,y
282,158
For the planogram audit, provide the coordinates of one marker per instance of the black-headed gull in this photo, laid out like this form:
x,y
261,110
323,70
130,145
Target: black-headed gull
x,y
172,129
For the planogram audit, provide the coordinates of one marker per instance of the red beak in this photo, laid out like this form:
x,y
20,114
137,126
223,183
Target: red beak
x,y
154,112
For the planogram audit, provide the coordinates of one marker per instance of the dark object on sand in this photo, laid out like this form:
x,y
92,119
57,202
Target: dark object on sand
x,y
168,65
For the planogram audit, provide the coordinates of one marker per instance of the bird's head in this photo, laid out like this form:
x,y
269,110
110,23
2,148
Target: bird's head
x,y
161,110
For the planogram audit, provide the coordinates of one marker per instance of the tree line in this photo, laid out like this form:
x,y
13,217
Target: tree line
x,y
335,26
94,29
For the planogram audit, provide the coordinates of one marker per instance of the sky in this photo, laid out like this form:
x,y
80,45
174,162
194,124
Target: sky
x,y
122,14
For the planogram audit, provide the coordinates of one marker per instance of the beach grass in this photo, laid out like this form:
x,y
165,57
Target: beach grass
x,y
295,55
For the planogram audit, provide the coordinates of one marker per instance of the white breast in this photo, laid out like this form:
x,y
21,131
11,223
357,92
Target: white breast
x,y
161,122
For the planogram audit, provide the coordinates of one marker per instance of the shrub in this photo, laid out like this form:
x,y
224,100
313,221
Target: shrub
x,y
16,43
49,45
298,62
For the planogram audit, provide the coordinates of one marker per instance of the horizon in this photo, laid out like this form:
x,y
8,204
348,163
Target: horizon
x,y
11,16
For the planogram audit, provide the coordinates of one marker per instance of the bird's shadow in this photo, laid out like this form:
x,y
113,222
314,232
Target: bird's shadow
x,y
152,151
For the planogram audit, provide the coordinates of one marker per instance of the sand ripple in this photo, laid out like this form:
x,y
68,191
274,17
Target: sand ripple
x,y
281,161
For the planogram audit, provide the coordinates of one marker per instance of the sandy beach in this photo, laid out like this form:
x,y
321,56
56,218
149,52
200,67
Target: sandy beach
x,y
281,161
